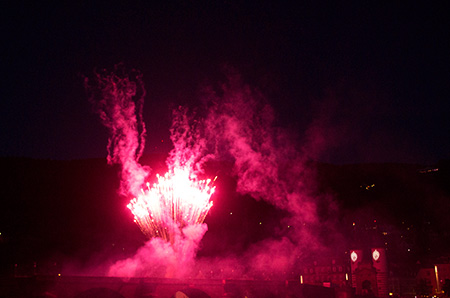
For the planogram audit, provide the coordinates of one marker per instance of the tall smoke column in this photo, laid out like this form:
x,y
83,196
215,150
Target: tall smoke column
x,y
268,165
118,99
266,162
190,142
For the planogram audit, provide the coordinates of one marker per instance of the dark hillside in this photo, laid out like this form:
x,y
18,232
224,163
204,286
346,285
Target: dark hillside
x,y
57,210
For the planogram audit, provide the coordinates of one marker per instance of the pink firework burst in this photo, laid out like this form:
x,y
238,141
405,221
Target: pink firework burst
x,y
178,199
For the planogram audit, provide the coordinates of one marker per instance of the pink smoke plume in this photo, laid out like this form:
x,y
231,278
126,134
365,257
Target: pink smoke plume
x,y
267,163
118,98
189,142
158,258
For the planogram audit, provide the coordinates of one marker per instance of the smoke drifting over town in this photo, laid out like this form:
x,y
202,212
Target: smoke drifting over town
x,y
237,125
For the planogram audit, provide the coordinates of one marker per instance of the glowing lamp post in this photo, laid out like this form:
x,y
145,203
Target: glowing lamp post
x,y
437,278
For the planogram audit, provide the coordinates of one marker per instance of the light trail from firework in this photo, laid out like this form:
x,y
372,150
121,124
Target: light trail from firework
x,y
177,200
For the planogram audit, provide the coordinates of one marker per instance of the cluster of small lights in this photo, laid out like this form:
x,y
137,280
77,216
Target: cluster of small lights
x,y
367,187
429,170
177,200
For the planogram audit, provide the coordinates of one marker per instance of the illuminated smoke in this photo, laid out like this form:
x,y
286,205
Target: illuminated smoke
x,y
268,164
159,258
118,98
189,142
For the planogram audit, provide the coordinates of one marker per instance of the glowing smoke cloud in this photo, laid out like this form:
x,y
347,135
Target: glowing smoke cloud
x,y
266,163
268,166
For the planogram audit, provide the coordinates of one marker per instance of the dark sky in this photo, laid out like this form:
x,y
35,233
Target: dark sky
x,y
371,80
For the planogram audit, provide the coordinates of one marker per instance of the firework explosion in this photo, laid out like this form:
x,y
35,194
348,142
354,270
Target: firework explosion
x,y
177,200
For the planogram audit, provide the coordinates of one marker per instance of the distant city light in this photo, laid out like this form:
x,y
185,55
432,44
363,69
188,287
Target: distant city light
x,y
367,187
428,170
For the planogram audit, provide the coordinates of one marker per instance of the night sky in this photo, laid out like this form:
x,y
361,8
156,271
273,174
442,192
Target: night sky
x,y
371,80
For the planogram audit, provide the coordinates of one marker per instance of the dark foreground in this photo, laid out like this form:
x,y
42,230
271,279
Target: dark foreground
x,y
114,287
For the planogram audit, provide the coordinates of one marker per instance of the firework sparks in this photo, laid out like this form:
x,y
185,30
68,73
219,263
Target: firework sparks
x,y
178,199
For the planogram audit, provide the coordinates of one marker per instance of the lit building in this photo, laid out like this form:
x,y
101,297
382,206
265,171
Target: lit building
x,y
329,273
369,272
